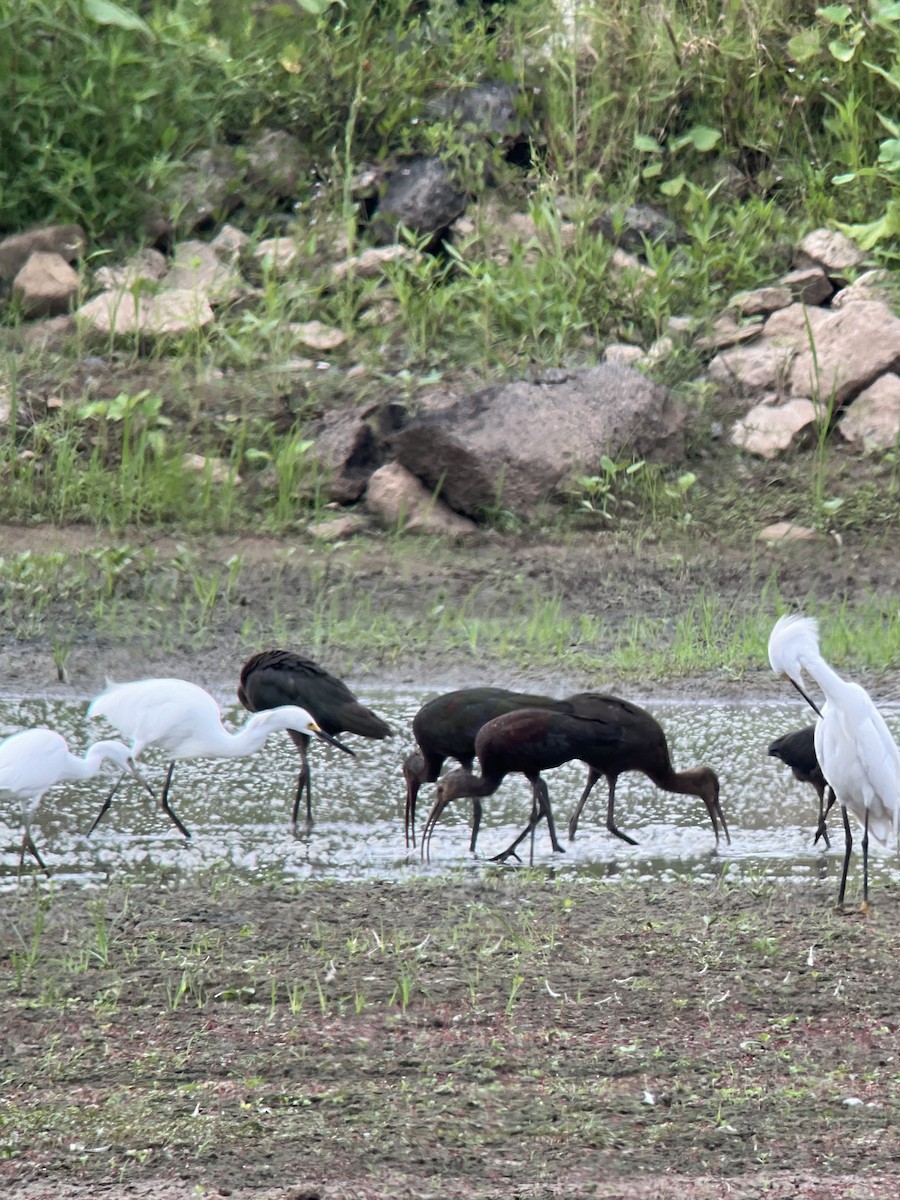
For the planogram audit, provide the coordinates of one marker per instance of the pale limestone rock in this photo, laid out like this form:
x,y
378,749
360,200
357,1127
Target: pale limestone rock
x,y
873,419
828,248
68,241
761,367
809,285
230,243
726,332
146,266
340,528
167,313
761,301
401,501
372,262
769,429
196,267
219,470
796,323
786,531
46,285
871,285
278,255
316,336
623,354
853,347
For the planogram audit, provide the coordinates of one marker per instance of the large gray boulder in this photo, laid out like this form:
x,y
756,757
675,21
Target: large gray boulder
x,y
520,443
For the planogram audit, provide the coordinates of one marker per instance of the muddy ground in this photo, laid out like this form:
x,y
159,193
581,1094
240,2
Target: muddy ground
x,y
504,1036
509,1036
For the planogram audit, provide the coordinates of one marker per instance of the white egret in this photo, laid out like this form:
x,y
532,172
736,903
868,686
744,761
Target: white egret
x,y
855,749
34,760
184,720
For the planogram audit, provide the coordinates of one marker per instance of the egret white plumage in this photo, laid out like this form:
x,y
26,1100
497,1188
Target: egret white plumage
x,y
35,760
854,746
184,720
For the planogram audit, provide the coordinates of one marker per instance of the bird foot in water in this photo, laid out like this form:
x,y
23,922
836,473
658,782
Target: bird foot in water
x,y
504,856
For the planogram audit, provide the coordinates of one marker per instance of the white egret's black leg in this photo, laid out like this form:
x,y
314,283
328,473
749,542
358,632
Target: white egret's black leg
x,y
865,856
164,801
104,809
848,847
28,844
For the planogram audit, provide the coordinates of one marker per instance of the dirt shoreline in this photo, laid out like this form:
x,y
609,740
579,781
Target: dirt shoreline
x,y
511,1035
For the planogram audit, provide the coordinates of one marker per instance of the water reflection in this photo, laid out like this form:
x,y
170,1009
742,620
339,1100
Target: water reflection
x,y
239,810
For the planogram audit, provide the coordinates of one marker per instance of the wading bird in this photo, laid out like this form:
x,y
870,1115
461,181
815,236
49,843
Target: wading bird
x,y
855,749
35,760
274,678
641,746
446,727
184,720
527,741
798,751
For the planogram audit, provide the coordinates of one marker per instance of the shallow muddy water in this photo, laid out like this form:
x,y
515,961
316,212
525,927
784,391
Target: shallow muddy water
x,y
238,810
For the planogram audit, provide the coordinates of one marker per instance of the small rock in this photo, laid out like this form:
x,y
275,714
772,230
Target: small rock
x,y
809,285
275,163
50,335
317,336
401,501
147,266
340,528
726,332
873,419
46,285
761,367
761,301
196,267
787,531
68,241
372,262
230,243
219,470
277,254
871,285
833,251
168,312
769,429
852,348
623,354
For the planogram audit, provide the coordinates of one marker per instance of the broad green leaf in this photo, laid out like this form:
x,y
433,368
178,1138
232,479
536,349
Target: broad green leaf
x,y
804,45
648,144
889,154
316,7
837,14
868,236
652,170
885,14
842,51
891,126
839,179
892,76
105,12
672,187
704,138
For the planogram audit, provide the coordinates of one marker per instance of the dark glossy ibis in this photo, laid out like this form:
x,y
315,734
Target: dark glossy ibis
x,y
641,746
527,741
797,750
854,746
446,727
184,720
274,678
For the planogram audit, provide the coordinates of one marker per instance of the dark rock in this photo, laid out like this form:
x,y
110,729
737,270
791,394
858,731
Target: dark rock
x,y
484,108
422,196
638,222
